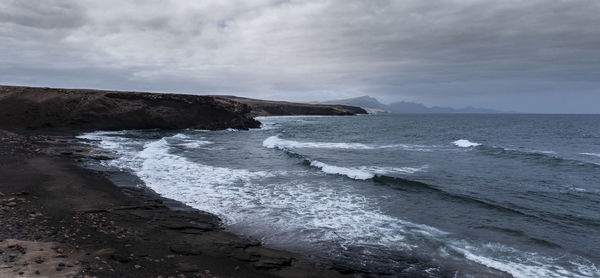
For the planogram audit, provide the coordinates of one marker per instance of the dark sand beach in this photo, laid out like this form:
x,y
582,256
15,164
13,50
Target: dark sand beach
x,y
61,220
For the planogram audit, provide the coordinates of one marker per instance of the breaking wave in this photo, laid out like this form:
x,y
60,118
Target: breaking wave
x,y
276,142
541,155
363,172
464,143
357,172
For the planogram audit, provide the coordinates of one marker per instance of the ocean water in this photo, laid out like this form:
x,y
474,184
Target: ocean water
x,y
416,195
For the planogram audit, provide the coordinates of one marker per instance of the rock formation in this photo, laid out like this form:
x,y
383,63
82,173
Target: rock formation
x,y
33,108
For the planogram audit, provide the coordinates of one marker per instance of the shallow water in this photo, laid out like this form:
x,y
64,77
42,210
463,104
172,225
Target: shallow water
x,y
436,195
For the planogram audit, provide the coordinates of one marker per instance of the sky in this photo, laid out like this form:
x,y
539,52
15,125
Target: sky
x,y
535,56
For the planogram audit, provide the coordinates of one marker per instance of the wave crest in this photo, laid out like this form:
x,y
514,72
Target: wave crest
x,y
279,143
464,143
276,142
592,154
363,172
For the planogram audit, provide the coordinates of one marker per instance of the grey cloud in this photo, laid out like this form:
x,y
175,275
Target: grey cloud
x,y
42,15
442,52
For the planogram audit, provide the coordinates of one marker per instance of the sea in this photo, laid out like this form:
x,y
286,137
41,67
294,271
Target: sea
x,y
398,195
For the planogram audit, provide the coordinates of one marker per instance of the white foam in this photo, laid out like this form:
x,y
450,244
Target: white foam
x,y
464,143
276,142
279,143
101,138
364,172
190,142
163,171
180,136
196,144
522,264
392,170
351,173
410,147
112,141
592,154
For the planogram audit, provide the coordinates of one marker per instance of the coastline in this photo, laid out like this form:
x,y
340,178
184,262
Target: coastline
x,y
87,225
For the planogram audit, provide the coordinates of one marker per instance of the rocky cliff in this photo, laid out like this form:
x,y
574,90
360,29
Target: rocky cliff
x,y
282,108
33,108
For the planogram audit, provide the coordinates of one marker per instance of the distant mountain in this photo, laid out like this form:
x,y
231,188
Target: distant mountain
x,y
372,105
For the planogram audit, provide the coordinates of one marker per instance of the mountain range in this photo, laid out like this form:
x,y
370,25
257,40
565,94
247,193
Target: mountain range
x,y
372,105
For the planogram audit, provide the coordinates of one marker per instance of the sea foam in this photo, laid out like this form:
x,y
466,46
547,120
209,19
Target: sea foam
x,y
521,264
363,172
464,143
351,173
277,142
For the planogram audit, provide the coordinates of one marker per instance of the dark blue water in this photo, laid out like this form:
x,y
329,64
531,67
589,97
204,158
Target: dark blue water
x,y
432,195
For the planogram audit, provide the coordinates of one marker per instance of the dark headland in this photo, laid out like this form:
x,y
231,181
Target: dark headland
x,y
62,220
34,108
284,108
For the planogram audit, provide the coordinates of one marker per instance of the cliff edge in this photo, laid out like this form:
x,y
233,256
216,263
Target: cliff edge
x,y
34,108
284,108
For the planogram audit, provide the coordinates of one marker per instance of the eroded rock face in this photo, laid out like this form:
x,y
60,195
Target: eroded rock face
x,y
34,108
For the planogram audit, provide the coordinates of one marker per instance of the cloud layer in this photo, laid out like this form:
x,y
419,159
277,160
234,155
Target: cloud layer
x,y
537,55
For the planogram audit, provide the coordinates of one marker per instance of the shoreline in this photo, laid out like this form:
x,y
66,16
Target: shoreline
x,y
88,225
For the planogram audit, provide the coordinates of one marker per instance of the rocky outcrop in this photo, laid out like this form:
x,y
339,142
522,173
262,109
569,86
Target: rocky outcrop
x,y
283,108
34,108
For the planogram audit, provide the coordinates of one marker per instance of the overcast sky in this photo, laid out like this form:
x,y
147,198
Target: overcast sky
x,y
526,55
